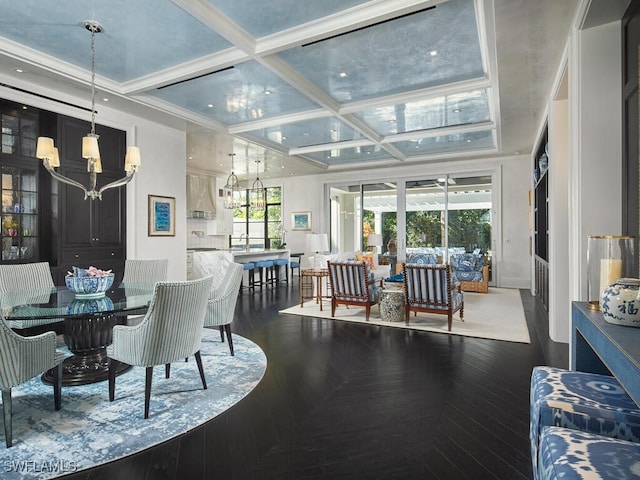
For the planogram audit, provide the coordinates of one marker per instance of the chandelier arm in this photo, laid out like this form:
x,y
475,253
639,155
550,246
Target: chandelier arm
x,y
63,179
116,183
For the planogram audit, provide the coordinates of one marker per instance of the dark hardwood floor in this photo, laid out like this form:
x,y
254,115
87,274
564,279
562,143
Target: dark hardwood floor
x,y
353,401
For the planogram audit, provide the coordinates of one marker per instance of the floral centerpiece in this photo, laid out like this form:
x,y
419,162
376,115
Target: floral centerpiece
x,y
89,282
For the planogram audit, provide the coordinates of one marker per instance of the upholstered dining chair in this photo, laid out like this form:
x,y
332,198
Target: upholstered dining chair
x,y
352,284
143,272
430,289
21,359
19,282
222,302
171,330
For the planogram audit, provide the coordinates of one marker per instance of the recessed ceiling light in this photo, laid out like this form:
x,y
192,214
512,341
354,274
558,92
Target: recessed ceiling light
x,y
433,53
468,140
306,134
343,74
282,166
517,152
392,121
210,105
291,174
19,70
284,138
105,99
190,157
456,110
267,91
24,107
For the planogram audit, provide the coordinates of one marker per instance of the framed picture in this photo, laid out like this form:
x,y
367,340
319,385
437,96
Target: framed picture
x,y
301,221
162,216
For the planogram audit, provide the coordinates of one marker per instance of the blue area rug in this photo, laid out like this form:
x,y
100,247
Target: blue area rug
x,y
89,430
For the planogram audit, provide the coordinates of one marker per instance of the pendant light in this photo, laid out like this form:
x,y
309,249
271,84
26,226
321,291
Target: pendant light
x,y
231,190
47,152
258,200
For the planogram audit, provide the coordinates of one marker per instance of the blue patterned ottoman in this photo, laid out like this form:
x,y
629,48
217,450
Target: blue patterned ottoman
x,y
573,455
580,401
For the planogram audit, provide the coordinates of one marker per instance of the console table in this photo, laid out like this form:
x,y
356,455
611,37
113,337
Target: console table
x,y
601,347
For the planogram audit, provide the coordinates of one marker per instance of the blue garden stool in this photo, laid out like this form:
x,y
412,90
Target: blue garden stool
x,y
572,455
580,401
265,271
277,263
248,267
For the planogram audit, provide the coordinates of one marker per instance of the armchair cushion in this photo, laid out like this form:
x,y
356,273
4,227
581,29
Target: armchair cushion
x,y
467,262
423,258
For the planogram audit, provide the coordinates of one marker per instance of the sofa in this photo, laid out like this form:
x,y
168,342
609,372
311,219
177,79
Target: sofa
x,y
471,270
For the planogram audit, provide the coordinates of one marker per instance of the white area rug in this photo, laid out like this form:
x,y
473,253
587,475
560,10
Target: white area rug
x,y
497,315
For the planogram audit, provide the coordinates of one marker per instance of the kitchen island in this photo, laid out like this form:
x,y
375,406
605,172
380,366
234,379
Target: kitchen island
x,y
214,261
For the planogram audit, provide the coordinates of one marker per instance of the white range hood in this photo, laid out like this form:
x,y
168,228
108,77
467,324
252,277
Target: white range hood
x,y
201,198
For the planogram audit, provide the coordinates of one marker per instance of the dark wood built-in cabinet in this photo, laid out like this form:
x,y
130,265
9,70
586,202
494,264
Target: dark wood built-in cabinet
x,y
541,222
45,220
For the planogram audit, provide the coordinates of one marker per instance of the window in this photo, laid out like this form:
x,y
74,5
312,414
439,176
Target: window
x,y
259,228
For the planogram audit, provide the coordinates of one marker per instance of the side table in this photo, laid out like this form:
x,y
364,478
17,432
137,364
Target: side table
x,y
392,305
307,290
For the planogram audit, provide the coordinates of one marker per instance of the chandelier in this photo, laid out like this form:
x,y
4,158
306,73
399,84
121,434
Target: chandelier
x,y
231,190
257,197
48,153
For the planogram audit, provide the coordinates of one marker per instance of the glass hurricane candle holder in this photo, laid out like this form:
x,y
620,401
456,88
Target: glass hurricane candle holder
x,y
609,257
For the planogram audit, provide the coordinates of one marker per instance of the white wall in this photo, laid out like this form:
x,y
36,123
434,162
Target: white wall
x,y
515,184
513,262
163,172
595,171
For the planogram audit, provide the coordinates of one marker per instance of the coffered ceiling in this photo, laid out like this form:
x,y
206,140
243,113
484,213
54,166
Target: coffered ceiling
x,y
306,86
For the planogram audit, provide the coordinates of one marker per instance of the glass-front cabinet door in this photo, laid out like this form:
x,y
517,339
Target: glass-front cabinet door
x,y
19,189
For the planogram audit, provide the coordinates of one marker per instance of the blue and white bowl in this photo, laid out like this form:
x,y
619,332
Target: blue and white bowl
x,y
89,286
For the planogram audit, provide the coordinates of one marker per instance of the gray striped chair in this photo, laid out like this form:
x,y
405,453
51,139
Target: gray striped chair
x,y
21,359
170,331
143,272
352,284
26,283
222,302
430,289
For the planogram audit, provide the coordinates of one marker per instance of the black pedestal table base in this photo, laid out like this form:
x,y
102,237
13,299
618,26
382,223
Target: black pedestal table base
x,y
87,337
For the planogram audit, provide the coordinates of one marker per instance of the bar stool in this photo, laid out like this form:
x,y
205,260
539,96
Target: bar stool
x,y
581,401
281,262
248,267
265,277
293,264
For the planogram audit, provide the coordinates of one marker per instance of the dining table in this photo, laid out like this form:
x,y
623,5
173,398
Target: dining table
x,y
87,324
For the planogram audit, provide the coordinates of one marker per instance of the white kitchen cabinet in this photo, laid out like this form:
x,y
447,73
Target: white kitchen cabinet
x,y
223,223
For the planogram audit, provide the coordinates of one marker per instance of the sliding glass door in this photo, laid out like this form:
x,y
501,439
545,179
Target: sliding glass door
x,y
444,215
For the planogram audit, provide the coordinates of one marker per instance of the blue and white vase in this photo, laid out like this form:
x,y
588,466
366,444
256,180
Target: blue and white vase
x,y
543,163
620,303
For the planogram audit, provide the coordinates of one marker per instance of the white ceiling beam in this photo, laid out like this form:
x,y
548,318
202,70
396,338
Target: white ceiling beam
x,y
279,120
340,22
331,146
438,132
416,95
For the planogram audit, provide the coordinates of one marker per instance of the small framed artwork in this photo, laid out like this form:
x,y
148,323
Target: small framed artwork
x,y
162,216
301,221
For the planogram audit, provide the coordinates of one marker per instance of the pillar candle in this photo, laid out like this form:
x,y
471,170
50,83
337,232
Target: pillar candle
x,y
610,272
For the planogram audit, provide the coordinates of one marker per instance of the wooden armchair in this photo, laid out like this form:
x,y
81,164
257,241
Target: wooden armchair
x,y
351,284
430,289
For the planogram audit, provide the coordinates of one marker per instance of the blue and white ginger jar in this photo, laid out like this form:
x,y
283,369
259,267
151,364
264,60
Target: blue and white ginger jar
x,y
620,303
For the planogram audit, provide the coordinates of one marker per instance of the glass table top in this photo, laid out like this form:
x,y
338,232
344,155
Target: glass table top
x,y
60,302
